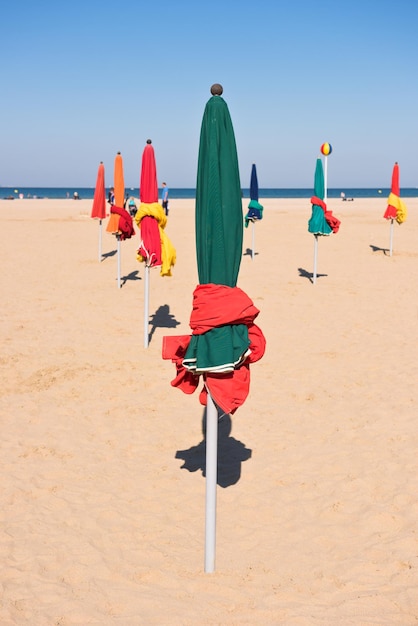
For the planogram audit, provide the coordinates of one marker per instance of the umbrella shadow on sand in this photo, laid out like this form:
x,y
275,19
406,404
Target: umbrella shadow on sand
x,y
131,276
231,453
249,252
378,249
106,255
162,318
309,275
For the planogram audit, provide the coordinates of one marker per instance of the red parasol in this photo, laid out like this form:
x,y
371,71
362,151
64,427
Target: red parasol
x,y
98,210
148,187
396,209
391,211
155,250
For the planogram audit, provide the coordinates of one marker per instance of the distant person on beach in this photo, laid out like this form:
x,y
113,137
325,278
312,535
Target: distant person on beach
x,y
111,196
76,196
164,198
132,206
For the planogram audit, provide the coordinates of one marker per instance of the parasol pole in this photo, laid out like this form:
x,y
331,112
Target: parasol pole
x,y
118,239
315,262
253,244
325,179
100,241
211,481
146,306
391,237
326,149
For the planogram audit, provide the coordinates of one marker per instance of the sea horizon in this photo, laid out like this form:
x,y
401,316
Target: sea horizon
x,y
87,193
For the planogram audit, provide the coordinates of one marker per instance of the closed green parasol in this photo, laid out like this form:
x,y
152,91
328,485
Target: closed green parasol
x,y
318,225
225,339
322,222
219,237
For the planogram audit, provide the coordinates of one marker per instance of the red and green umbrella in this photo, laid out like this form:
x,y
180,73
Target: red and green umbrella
x,y
322,222
225,339
219,238
318,224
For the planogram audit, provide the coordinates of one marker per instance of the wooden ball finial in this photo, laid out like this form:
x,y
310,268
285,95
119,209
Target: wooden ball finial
x,y
216,89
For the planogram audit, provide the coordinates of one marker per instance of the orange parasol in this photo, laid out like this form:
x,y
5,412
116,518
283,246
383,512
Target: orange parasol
x,y
118,181
119,187
120,222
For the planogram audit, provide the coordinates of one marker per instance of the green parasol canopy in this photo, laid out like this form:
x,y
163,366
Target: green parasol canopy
x,y
219,222
317,224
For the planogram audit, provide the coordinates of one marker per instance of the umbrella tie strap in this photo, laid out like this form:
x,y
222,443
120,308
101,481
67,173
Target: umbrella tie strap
x,y
149,257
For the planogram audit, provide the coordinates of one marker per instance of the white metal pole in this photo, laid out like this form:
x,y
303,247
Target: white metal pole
x,y
391,238
211,481
146,306
315,262
326,180
100,241
118,238
253,244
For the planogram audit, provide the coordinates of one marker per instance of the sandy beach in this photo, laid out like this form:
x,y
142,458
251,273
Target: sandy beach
x,y
103,493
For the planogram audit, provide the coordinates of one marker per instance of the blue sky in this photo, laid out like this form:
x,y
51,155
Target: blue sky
x,y
84,80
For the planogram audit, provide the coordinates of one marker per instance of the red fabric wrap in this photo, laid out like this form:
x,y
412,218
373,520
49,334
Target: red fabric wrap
x,y
125,222
318,202
150,241
213,306
333,222
217,305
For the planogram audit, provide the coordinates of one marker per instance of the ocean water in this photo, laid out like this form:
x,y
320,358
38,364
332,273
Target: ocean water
x,y
87,193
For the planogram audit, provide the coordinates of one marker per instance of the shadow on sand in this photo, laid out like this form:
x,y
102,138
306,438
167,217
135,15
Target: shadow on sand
x,y
107,255
249,252
309,275
162,318
377,249
132,276
231,453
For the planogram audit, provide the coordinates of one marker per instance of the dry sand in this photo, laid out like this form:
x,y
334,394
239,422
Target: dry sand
x,y
317,506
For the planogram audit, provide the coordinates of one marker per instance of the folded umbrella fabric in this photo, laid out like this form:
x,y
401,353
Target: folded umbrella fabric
x,y
216,307
159,250
125,225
